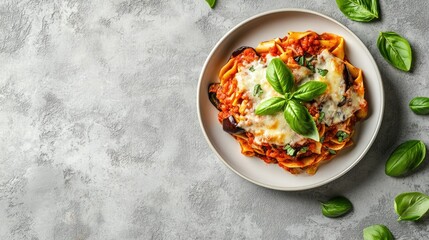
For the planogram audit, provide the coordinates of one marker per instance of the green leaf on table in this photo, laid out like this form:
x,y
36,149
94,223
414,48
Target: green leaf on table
x,y
359,10
396,50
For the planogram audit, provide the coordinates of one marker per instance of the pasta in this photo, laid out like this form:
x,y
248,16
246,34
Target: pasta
x,y
310,57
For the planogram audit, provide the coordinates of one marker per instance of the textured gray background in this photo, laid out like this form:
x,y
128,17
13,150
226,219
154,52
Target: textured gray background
x,y
100,137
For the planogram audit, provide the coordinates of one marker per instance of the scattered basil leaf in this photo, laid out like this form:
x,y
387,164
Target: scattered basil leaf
x,y
310,90
359,10
321,116
257,90
252,69
420,105
211,3
336,207
395,49
311,67
303,149
377,232
411,206
341,135
279,76
300,120
322,139
332,152
290,150
270,106
300,60
405,158
322,72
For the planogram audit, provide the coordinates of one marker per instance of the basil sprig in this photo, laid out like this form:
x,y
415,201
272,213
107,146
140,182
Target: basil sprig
x,y
296,115
377,232
211,3
420,105
336,207
396,50
405,158
411,206
359,10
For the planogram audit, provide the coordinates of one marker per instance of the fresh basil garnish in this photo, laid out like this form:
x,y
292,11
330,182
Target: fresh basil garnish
x,y
270,106
322,72
290,150
211,3
336,207
321,117
332,152
305,62
377,232
252,69
300,120
279,76
420,105
309,90
396,50
257,90
297,116
411,206
303,149
341,135
405,158
359,10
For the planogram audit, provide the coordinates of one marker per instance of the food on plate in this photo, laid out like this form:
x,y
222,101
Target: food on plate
x,y
292,101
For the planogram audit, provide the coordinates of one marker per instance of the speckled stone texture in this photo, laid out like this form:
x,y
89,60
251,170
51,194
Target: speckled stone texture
x,y
100,137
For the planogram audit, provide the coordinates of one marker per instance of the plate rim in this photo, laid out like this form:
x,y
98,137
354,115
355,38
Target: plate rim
x,y
360,156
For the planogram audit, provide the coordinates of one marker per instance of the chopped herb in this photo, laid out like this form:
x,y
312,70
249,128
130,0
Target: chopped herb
x,y
305,62
301,61
332,151
322,72
321,117
257,90
303,149
289,150
322,139
341,135
252,69
311,67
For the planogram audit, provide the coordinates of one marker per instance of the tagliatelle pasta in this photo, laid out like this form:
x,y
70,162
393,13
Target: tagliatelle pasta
x,y
310,57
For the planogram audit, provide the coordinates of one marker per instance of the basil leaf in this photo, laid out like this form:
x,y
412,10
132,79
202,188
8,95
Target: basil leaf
x,y
257,90
411,206
270,106
336,207
300,120
321,117
405,158
396,50
211,3
303,149
322,72
420,105
252,69
310,90
279,76
332,152
359,10
290,150
341,135
377,232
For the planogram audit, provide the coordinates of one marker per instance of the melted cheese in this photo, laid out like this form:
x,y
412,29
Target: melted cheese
x,y
274,129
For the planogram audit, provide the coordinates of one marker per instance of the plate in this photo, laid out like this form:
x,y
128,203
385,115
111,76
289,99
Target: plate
x,y
267,26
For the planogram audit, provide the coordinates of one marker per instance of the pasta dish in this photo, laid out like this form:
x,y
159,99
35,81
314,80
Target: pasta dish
x,y
292,101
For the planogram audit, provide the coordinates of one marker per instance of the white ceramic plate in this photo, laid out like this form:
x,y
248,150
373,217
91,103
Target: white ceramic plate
x,y
267,26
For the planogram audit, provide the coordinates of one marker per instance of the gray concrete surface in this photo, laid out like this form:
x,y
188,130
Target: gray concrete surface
x,y
99,136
